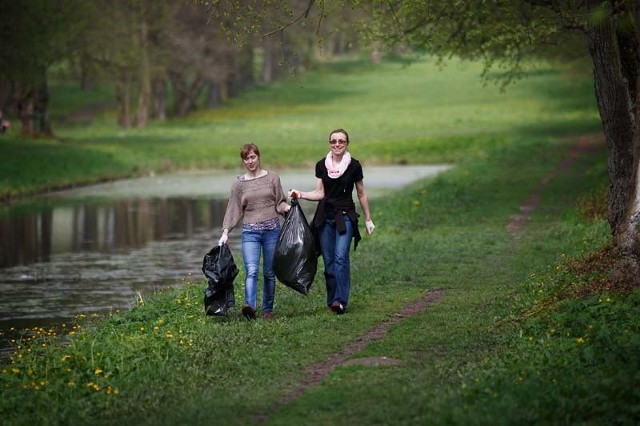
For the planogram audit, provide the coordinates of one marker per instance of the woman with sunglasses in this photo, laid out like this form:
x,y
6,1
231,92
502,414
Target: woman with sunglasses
x,y
335,221
257,198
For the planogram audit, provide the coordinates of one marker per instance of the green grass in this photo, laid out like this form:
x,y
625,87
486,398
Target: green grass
x,y
394,114
508,343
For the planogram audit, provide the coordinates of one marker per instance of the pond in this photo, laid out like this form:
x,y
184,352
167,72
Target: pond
x,y
99,248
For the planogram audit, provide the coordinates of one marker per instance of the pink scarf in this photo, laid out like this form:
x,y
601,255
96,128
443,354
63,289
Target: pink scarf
x,y
336,172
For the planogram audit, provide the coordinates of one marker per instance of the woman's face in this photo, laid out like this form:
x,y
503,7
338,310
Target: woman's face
x,y
338,143
251,161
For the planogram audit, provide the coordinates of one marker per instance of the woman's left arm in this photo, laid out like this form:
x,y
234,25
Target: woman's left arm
x,y
281,201
364,203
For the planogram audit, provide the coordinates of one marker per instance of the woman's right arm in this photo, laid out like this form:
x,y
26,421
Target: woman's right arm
x,y
232,215
315,195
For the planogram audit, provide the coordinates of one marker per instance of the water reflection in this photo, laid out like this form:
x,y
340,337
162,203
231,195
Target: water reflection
x,y
107,228
100,257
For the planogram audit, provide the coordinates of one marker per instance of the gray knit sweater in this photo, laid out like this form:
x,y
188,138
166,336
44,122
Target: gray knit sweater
x,y
255,200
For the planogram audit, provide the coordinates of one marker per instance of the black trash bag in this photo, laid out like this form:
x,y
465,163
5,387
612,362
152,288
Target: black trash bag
x,y
295,261
220,269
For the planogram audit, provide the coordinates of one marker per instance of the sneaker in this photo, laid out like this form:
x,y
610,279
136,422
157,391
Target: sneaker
x,y
337,308
248,312
267,316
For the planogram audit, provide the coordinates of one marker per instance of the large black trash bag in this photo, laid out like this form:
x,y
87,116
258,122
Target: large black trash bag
x,y
220,269
295,261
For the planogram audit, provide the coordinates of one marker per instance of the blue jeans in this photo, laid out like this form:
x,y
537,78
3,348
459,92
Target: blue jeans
x,y
253,242
335,254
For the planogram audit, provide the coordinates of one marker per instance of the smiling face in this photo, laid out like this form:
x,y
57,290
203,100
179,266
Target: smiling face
x,y
338,141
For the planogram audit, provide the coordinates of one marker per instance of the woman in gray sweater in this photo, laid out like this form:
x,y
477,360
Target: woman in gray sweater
x,y
256,199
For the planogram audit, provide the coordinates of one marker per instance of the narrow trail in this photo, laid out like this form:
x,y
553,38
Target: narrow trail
x,y
315,373
584,144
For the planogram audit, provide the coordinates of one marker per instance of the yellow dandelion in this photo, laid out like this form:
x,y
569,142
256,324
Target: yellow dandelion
x,y
65,358
580,340
98,371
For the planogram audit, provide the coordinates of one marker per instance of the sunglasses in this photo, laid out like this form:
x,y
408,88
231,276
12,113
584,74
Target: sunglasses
x,y
335,141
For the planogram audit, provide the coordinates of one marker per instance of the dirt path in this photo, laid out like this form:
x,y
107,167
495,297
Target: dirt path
x,y
315,373
584,144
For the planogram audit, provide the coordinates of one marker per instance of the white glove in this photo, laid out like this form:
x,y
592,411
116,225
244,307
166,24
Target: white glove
x,y
370,226
223,239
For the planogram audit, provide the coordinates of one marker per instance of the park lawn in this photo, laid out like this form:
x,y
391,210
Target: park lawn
x,y
505,342
395,115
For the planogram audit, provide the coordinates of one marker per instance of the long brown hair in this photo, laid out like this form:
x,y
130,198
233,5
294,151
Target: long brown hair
x,y
248,148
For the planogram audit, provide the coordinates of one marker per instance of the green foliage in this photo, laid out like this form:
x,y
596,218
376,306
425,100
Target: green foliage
x,y
37,31
502,35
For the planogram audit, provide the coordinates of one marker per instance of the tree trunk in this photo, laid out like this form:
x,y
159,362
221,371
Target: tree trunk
x,y
144,94
122,103
272,68
25,113
185,98
41,111
159,99
213,95
616,95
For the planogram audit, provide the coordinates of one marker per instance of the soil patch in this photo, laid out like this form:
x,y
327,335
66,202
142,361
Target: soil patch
x,y
317,372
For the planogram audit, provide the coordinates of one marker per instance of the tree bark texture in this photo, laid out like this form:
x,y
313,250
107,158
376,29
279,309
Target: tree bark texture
x,y
616,85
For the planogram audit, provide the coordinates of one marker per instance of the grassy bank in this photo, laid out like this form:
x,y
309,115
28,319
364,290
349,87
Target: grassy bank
x,y
513,338
394,114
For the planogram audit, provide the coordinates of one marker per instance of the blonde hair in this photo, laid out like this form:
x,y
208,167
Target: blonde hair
x,y
340,131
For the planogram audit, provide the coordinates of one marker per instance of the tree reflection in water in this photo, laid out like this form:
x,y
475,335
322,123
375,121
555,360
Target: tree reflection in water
x,y
97,257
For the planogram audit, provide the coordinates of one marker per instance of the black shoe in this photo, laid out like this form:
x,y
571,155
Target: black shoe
x,y
337,307
248,312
